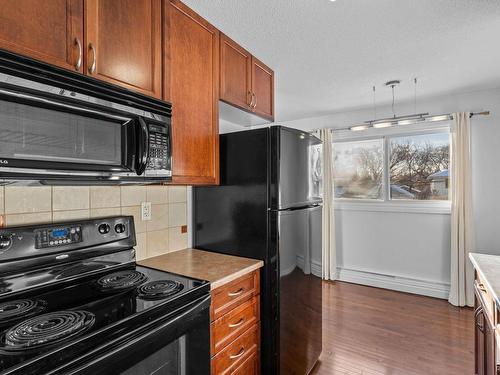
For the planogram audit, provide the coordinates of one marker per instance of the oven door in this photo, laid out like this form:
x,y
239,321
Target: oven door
x,y
44,133
177,346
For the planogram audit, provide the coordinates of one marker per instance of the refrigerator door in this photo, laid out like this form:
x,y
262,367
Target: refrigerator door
x,y
300,305
298,168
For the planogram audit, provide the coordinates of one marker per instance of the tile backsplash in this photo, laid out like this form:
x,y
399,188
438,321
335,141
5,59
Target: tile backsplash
x,y
22,205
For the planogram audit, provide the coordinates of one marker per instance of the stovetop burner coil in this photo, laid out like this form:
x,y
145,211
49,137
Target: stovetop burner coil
x,y
22,308
47,329
121,280
159,289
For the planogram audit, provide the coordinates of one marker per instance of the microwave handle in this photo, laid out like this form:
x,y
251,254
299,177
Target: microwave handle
x,y
142,147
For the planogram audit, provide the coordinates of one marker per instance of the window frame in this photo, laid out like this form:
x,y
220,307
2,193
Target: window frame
x,y
386,204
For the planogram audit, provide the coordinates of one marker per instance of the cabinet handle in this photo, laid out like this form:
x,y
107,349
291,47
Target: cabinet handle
x,y
237,293
254,100
477,314
78,64
250,95
240,353
481,287
92,67
237,324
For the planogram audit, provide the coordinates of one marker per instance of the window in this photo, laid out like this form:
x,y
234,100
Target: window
x,y
358,169
395,167
419,167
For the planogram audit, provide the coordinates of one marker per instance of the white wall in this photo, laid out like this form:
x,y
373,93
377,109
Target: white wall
x,y
411,251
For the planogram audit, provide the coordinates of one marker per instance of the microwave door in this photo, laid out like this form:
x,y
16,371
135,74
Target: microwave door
x,y
49,134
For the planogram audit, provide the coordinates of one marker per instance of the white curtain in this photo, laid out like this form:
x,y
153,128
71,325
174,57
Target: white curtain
x,y
329,260
462,231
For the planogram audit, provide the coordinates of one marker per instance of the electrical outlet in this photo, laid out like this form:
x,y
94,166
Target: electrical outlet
x,y
146,211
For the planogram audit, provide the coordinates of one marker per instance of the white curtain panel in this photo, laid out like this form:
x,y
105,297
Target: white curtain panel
x,y
329,259
462,231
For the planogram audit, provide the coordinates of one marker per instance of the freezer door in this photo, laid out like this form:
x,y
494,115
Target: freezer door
x,y
300,307
299,168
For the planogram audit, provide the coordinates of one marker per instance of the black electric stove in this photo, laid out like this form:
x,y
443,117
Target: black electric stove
x,y
81,305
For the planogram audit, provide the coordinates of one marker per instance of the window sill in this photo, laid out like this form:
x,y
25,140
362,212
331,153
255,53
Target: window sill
x,y
429,207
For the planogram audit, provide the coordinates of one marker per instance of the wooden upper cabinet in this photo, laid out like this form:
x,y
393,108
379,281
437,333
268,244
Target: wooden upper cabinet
x,y
245,82
263,89
123,43
191,79
236,78
50,31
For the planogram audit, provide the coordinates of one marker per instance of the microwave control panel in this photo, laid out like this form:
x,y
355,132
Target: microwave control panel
x,y
158,148
57,236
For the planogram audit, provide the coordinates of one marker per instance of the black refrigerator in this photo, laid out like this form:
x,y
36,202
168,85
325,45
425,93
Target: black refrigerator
x,y
269,206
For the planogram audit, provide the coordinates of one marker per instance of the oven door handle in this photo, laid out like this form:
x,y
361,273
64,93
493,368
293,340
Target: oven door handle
x,y
143,146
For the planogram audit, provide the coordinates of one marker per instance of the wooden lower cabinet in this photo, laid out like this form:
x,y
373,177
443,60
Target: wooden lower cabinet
x,y
235,327
485,316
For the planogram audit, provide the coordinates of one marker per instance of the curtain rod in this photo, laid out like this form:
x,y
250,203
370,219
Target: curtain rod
x,y
402,120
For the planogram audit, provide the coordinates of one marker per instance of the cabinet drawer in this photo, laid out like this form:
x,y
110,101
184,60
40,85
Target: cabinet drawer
x,y
250,365
235,354
228,296
230,326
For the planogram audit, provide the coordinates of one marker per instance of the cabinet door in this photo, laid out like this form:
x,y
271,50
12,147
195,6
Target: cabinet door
x,y
263,89
479,340
236,68
123,43
50,31
489,348
192,56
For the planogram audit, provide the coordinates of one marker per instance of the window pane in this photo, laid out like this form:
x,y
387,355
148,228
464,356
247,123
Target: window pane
x,y
358,169
419,167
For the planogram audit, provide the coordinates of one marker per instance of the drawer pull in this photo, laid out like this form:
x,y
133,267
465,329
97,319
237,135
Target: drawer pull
x,y
233,294
237,324
240,353
481,287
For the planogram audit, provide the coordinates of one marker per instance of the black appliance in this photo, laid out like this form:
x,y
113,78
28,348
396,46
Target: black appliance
x,y
58,126
268,207
73,301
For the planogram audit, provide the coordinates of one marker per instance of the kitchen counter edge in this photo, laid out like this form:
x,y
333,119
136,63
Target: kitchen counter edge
x,y
218,269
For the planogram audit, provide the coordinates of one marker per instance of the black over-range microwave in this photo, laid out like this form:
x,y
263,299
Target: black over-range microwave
x,y
60,127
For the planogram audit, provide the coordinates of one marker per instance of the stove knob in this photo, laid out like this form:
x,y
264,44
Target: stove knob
x,y
5,242
103,228
120,228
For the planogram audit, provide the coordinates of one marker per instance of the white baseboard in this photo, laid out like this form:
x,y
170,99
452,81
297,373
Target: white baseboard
x,y
316,269
398,283
401,284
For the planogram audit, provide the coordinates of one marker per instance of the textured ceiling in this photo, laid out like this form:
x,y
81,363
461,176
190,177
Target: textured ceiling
x,y
327,55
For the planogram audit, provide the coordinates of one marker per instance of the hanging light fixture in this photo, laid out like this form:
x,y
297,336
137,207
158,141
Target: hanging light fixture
x,y
396,120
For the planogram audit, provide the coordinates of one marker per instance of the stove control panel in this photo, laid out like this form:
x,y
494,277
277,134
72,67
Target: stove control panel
x,y
58,236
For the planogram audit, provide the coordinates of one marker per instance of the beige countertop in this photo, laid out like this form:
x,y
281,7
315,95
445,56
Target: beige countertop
x,y
488,268
219,269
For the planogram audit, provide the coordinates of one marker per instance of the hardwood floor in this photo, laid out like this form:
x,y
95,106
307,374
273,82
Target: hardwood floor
x,y
375,331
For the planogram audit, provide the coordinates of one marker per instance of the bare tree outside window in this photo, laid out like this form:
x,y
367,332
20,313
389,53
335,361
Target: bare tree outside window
x,y
419,167
358,169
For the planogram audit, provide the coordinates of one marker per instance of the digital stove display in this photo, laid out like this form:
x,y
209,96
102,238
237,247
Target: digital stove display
x,y
59,233
58,236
